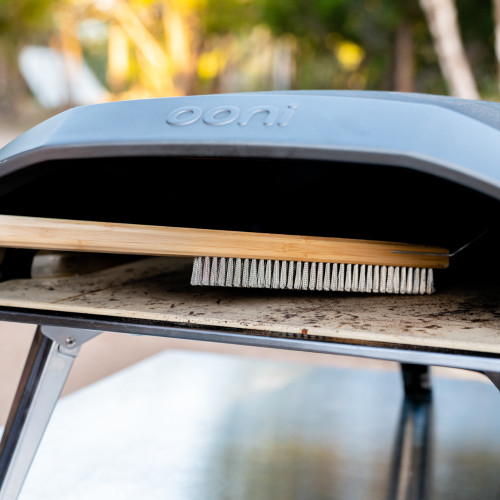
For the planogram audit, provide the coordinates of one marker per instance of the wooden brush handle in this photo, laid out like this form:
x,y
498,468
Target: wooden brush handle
x,y
106,237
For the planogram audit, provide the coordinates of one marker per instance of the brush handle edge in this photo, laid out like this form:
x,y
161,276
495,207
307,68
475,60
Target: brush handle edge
x,y
105,237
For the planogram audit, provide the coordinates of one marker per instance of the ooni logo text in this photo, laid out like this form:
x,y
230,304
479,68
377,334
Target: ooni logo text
x,y
225,115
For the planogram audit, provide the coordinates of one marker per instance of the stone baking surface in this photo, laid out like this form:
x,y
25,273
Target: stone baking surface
x,y
158,289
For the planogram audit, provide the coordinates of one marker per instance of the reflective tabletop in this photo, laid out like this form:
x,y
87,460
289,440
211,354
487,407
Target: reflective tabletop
x,y
189,426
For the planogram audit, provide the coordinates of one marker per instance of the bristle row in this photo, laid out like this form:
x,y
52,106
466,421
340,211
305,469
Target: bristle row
x,y
253,273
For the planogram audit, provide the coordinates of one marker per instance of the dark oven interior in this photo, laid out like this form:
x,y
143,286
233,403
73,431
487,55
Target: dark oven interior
x,y
276,196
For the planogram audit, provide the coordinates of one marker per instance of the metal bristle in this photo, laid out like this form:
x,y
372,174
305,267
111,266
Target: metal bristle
x,y
305,275
284,274
348,278
355,278
197,270
396,283
409,280
362,279
269,273
383,280
237,273
298,276
261,274
222,272
416,280
326,283
253,273
245,279
403,289
229,272
340,286
335,278
319,281
376,279
276,274
390,280
423,285
291,273
430,282
253,280
312,276
214,272
205,277
369,279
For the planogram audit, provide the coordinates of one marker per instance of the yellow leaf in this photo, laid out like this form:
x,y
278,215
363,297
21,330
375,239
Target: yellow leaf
x,y
350,55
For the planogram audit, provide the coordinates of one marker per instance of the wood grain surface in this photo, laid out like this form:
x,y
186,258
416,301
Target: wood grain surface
x,y
72,235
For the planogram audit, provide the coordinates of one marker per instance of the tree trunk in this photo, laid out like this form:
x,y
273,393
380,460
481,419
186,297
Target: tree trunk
x,y
403,59
283,63
442,19
496,10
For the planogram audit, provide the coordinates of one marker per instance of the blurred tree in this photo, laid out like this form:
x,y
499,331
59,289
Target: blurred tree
x,y
492,30
171,47
443,24
360,43
153,45
21,22
496,9
377,44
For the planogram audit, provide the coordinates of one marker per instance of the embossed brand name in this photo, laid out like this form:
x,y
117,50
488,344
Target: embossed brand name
x,y
225,115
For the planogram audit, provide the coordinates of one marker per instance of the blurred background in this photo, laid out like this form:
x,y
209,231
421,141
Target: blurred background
x,y
56,54
60,53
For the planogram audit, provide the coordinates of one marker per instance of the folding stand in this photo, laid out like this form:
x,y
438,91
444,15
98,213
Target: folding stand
x,y
55,347
49,362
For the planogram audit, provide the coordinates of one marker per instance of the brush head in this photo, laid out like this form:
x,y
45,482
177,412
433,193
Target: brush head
x,y
297,275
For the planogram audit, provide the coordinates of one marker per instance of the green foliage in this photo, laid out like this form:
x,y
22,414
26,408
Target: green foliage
x,y
228,16
21,22
336,43
25,20
477,28
323,25
319,27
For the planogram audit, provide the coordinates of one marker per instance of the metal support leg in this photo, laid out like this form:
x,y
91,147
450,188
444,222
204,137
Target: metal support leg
x,y
494,378
417,382
412,453
49,361
410,478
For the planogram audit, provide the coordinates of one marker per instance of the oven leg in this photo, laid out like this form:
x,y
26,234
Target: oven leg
x,y
494,378
410,478
49,361
417,382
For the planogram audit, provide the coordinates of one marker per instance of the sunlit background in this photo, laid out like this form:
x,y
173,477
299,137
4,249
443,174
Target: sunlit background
x,y
59,53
